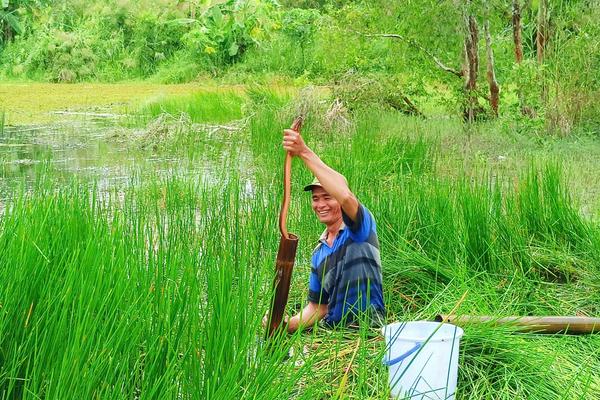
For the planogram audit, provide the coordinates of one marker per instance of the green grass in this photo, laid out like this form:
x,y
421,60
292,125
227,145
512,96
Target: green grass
x,y
2,121
156,289
180,315
214,107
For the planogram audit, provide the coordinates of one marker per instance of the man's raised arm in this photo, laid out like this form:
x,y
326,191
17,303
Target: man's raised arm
x,y
332,181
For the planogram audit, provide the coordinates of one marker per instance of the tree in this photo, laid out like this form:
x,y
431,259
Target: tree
x,y
518,48
471,62
541,41
491,74
517,31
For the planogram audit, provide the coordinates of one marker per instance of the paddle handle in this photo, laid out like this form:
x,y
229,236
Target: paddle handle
x,y
287,184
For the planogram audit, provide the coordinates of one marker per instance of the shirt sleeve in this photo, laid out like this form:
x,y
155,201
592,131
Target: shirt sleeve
x,y
360,229
316,294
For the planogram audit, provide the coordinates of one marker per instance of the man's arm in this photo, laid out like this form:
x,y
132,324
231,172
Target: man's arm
x,y
332,181
310,314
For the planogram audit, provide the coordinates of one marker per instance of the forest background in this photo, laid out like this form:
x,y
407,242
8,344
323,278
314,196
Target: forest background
x,y
414,56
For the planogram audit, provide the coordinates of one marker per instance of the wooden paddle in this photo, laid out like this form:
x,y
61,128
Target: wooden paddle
x,y
287,250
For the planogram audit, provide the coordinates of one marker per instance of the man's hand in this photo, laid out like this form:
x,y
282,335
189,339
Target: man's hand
x,y
265,320
293,143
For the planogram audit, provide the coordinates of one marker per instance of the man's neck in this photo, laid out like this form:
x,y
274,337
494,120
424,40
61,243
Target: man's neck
x,y
332,231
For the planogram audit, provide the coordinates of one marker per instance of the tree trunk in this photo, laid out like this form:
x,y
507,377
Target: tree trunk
x,y
517,38
518,42
471,66
491,75
542,30
541,40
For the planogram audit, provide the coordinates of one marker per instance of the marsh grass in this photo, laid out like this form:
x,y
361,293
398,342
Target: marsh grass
x,y
180,317
2,122
203,106
156,289
515,243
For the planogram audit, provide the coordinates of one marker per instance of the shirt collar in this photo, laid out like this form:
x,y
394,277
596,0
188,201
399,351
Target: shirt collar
x,y
323,237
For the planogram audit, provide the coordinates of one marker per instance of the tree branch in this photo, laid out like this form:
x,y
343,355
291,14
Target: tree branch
x,y
419,47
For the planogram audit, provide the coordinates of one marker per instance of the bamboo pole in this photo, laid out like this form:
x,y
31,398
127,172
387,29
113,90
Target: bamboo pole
x,y
548,324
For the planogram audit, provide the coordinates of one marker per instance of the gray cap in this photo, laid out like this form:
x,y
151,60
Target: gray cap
x,y
313,184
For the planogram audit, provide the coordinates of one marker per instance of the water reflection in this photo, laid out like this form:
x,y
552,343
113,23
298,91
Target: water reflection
x,y
100,150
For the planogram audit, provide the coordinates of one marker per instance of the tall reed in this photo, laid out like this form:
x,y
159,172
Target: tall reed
x,y
2,122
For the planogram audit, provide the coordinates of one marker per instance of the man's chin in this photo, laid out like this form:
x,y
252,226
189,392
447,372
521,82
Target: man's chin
x,y
326,221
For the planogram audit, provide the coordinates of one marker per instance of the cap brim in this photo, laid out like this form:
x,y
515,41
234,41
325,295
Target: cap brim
x,y
309,188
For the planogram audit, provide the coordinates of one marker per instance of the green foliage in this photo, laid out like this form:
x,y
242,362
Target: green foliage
x,y
153,39
573,57
368,91
300,25
10,18
182,67
110,45
227,29
9,23
318,4
316,41
130,40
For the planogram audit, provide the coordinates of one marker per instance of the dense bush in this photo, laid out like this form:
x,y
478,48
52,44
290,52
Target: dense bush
x,y
126,39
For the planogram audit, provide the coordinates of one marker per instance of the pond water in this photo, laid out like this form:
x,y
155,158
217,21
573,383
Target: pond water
x,y
103,151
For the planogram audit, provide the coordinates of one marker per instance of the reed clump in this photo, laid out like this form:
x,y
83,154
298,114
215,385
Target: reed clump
x,y
200,106
2,121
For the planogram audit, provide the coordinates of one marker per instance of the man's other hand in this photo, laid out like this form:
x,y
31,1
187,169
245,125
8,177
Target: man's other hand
x,y
265,320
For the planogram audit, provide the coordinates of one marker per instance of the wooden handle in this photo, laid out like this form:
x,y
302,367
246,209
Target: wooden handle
x,y
287,184
286,254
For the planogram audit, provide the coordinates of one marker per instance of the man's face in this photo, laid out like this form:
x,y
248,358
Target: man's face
x,y
327,208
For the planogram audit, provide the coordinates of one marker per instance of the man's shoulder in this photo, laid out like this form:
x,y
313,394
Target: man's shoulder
x,y
366,212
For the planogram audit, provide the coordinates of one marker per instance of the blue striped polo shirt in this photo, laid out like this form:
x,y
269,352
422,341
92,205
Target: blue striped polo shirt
x,y
347,275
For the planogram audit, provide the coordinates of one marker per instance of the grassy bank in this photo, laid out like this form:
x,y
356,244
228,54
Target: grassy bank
x,y
22,107
35,103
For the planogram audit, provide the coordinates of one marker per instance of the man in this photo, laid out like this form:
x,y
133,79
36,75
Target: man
x,y
345,279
